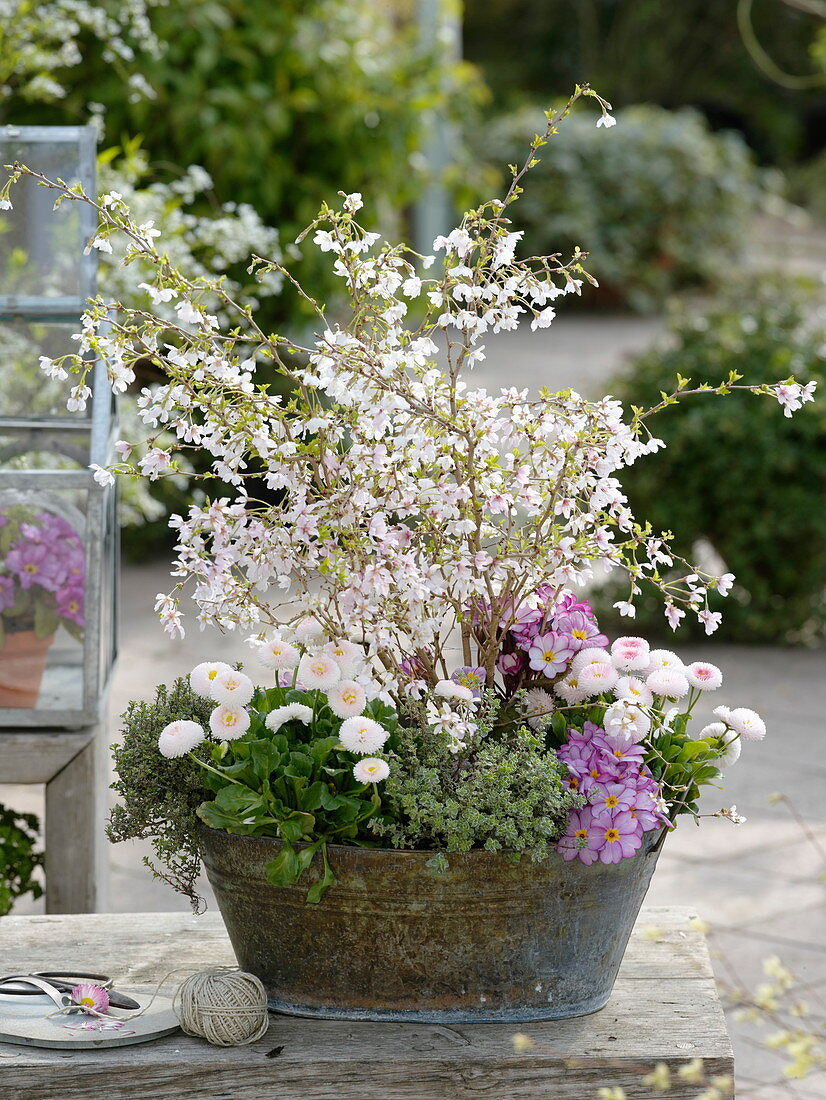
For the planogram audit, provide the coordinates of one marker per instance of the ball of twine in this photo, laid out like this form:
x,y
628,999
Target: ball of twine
x,y
227,1007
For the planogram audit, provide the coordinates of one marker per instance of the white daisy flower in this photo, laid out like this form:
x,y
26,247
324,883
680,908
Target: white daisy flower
x,y
228,723
569,691
361,734
347,656
539,706
179,738
277,654
371,770
747,723
712,732
298,712
233,689
585,657
597,677
635,690
703,676
733,746
723,713
201,677
668,682
347,699
664,658
318,671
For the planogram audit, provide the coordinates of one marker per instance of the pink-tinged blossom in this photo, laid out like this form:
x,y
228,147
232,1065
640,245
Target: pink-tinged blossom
x,y
92,999
597,678
229,723
550,654
511,664
703,676
630,654
580,631
180,737
588,656
70,603
668,682
625,723
635,690
710,620
362,735
347,699
233,689
615,836
203,675
664,658
319,671
724,583
371,770
792,396
673,615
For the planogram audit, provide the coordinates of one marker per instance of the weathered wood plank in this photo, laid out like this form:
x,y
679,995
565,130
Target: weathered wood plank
x,y
37,757
77,856
666,1010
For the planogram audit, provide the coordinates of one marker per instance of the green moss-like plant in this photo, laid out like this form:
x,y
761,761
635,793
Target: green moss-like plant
x,y
160,797
508,795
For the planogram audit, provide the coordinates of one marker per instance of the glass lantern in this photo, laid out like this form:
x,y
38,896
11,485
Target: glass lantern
x,y
58,527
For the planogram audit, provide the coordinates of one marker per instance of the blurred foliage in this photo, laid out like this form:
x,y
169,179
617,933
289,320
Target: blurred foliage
x,y
18,859
659,202
746,481
647,51
283,104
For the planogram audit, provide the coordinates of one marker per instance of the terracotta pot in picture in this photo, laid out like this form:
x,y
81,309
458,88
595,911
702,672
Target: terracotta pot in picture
x,y
22,664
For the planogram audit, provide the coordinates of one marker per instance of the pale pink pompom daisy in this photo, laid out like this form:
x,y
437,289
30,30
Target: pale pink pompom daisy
x,y
664,658
625,723
227,723
733,747
703,676
233,689
587,656
569,690
635,690
179,738
298,712
361,734
630,654
308,630
671,683
347,699
747,723
371,770
596,678
277,654
318,671
201,677
348,657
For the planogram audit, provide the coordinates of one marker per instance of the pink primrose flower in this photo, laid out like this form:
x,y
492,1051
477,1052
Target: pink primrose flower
x,y
576,842
550,653
615,836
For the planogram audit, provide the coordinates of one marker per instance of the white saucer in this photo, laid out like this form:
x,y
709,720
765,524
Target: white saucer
x,y
28,1021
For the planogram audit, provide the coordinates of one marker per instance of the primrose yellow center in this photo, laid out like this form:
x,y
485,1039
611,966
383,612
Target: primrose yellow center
x,y
549,655
611,801
30,568
581,834
611,835
582,635
594,773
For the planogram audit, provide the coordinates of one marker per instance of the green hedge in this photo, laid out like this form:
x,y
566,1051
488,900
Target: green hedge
x,y
737,473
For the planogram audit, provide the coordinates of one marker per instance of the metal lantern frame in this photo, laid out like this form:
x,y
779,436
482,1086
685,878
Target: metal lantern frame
x,y
80,440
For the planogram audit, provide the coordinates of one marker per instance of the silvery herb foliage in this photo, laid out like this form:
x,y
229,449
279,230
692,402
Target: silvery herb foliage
x,y
403,503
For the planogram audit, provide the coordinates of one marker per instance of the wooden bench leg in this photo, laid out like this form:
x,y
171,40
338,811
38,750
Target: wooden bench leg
x,y
77,857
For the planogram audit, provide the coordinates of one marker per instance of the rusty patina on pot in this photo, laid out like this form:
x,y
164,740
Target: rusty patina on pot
x,y
489,939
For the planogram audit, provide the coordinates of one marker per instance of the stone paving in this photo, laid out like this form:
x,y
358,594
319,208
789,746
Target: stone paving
x,y
759,886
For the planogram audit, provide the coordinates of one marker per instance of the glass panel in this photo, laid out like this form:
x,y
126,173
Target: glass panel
x,y
43,598
42,448
42,265
26,391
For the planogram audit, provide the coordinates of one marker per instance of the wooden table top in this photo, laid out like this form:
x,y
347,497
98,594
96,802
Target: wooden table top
x,y
664,1009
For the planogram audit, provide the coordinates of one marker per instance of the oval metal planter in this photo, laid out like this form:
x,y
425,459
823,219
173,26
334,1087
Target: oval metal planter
x,y
488,940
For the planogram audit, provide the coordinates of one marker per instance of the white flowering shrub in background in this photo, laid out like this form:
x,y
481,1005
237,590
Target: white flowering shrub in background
x,y
404,503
